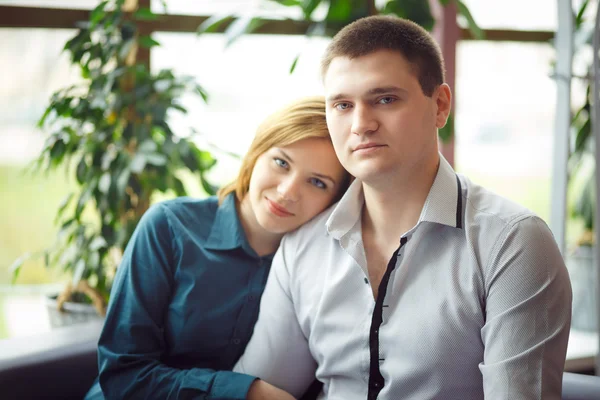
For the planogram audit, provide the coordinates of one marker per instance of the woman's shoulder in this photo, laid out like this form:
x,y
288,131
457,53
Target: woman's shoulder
x,y
183,210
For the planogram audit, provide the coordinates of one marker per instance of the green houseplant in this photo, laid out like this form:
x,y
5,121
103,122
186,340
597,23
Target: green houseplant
x,y
111,133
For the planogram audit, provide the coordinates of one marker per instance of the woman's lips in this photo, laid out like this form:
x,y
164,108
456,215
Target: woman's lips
x,y
277,209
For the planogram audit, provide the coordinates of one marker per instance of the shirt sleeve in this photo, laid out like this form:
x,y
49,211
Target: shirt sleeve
x,y
528,315
278,351
132,343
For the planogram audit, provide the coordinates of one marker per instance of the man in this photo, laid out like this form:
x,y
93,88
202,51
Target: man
x,y
418,284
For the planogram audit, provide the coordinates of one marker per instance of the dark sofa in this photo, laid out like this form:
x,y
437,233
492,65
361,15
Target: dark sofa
x,y
62,365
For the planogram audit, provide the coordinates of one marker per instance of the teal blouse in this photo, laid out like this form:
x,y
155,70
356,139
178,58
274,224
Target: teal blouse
x,y
183,305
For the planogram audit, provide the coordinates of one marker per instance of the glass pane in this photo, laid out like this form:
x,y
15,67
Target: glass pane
x,y
505,103
239,7
515,14
75,4
33,68
246,82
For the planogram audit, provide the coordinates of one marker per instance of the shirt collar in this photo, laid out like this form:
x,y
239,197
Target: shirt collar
x,y
226,232
444,201
443,204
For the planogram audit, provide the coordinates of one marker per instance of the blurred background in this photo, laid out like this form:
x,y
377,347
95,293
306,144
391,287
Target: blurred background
x,y
504,116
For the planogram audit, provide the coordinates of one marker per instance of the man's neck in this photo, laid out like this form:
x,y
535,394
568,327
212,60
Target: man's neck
x,y
392,210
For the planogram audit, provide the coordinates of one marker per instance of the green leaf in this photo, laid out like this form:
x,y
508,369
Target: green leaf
x,y
15,267
97,14
339,11
42,120
308,7
147,42
156,159
83,199
417,11
205,159
447,131
138,163
125,49
97,243
81,171
289,3
200,90
63,205
579,19
104,183
79,270
471,24
208,188
293,66
123,181
145,14
242,25
147,146
213,23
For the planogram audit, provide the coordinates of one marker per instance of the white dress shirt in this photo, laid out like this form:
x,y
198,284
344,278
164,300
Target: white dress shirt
x,y
475,303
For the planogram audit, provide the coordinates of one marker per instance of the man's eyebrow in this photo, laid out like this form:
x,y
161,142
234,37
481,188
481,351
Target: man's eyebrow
x,y
386,89
336,97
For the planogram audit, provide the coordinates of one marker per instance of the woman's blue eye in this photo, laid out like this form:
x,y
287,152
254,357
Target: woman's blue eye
x,y
318,183
280,162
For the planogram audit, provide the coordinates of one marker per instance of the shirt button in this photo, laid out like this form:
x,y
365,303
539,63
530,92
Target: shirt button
x,y
251,297
236,341
376,384
366,281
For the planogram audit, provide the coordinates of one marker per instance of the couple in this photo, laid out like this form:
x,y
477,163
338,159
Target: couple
x,y
417,284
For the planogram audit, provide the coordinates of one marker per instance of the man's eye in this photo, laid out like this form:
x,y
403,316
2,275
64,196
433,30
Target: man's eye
x,y
318,183
386,100
280,162
342,106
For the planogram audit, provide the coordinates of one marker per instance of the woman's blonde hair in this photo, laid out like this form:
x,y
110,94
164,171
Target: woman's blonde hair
x,y
302,119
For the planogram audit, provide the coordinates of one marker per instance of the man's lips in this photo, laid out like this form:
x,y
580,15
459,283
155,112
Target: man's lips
x,y
278,209
367,146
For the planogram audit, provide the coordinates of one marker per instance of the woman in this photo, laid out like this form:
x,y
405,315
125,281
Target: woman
x,y
186,295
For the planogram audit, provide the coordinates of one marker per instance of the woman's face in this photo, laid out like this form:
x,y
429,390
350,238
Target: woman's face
x,y
292,184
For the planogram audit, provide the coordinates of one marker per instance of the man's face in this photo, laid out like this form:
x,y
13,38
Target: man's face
x,y
380,121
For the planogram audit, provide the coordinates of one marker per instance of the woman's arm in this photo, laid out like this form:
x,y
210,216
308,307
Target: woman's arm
x,y
132,343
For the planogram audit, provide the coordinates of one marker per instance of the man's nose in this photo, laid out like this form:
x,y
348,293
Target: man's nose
x,y
363,120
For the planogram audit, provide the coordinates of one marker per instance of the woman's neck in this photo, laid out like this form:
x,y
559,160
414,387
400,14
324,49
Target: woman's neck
x,y
262,241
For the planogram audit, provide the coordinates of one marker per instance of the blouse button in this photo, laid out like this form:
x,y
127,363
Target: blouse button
x,y
236,341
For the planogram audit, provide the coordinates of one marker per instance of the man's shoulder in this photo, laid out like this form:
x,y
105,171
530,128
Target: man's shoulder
x,y
313,231
484,205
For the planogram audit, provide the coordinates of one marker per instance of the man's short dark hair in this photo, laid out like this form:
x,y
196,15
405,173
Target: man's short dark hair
x,y
370,34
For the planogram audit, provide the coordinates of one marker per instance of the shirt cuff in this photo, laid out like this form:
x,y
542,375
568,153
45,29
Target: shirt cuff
x,y
232,385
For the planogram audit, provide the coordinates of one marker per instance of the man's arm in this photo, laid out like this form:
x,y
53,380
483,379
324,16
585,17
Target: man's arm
x,y
528,314
278,351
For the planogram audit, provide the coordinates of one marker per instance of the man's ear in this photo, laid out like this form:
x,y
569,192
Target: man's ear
x,y
443,99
